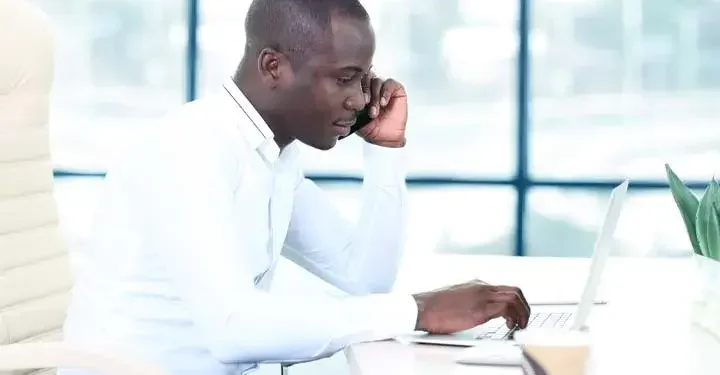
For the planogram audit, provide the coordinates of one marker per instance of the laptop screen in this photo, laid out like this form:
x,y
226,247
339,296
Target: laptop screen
x,y
603,245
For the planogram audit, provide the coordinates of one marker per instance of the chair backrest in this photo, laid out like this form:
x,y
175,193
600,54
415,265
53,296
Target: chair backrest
x,y
35,275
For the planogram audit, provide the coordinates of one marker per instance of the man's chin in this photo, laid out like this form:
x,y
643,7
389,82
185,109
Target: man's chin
x,y
323,145
327,145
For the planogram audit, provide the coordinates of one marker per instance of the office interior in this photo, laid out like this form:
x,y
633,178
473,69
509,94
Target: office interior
x,y
524,114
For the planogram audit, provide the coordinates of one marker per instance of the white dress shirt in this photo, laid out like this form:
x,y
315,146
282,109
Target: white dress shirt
x,y
190,229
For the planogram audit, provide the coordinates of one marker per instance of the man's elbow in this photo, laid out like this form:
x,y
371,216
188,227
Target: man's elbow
x,y
264,342
382,288
371,285
280,352
234,337
225,351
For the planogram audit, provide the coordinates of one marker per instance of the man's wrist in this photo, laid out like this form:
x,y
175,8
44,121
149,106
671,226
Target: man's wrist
x,y
384,165
389,144
420,302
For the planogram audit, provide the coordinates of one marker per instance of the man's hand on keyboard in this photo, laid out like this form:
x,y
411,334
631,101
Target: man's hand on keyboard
x,y
460,307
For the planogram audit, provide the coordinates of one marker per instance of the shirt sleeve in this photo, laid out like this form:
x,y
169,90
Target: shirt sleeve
x,y
359,258
184,194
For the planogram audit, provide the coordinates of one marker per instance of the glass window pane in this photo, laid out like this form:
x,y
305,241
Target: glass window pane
x,y
563,222
464,220
620,87
119,65
462,111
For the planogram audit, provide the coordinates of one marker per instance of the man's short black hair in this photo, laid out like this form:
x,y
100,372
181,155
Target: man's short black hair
x,y
296,28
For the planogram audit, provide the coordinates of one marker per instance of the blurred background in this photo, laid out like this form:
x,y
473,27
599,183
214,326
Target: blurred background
x,y
523,114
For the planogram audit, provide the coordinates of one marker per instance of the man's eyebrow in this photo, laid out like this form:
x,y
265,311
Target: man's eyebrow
x,y
356,68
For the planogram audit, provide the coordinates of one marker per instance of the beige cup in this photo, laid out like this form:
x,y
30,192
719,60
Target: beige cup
x,y
555,352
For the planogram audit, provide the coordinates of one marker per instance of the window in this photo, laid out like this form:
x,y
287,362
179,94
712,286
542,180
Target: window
x,y
457,220
523,115
461,115
564,222
623,87
119,65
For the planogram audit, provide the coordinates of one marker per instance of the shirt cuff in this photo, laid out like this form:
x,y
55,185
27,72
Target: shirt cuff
x,y
387,316
402,311
384,165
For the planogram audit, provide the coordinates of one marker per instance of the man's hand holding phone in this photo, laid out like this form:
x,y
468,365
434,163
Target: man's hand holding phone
x,y
385,114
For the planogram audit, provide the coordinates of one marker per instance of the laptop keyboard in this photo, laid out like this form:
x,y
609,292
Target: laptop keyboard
x,y
537,320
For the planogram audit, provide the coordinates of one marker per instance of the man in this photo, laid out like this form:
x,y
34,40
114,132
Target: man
x,y
197,215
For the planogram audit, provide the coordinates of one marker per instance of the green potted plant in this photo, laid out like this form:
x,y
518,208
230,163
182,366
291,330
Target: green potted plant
x,y
702,223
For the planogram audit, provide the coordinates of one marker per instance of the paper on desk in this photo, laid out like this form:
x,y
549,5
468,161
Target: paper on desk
x,y
561,302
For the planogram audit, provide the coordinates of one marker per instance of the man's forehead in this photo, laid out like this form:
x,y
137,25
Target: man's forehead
x,y
350,29
351,40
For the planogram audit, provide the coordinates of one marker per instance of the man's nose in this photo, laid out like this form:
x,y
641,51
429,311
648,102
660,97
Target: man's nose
x,y
356,101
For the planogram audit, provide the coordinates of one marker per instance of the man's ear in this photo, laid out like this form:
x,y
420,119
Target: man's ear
x,y
274,67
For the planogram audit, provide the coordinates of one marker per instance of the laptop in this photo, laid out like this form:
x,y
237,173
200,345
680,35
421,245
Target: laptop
x,y
573,317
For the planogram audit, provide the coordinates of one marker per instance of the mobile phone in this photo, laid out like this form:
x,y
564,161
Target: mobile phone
x,y
363,118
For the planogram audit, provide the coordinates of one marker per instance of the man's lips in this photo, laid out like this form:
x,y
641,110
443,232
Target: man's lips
x,y
346,123
342,131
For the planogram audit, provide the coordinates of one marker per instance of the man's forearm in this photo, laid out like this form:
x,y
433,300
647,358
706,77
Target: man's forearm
x,y
273,329
359,257
381,229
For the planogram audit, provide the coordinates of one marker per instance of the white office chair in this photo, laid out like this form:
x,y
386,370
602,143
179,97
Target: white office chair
x,y
35,275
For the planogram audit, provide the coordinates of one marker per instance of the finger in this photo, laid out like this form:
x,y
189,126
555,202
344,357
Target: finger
x,y
478,282
389,87
514,303
525,306
521,310
511,313
517,291
495,304
499,309
375,87
514,306
525,302
365,83
510,323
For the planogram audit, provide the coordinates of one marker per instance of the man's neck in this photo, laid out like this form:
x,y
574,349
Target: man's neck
x,y
249,89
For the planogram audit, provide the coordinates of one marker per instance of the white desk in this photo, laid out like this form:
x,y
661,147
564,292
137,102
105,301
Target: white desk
x,y
645,327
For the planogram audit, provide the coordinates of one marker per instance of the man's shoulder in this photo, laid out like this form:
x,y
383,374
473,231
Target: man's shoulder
x,y
197,124
196,113
193,132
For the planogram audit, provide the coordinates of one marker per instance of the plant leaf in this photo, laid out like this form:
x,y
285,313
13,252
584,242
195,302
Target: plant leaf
x,y
687,204
704,214
713,232
716,199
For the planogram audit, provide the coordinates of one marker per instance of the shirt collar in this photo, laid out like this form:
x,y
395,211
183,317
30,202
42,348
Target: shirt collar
x,y
255,129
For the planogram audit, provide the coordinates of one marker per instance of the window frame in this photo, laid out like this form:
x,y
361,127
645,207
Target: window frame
x,y
522,181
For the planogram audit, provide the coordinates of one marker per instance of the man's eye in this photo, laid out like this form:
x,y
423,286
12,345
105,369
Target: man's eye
x,y
345,80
